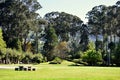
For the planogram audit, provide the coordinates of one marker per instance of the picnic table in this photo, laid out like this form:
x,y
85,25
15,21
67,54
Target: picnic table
x,y
25,68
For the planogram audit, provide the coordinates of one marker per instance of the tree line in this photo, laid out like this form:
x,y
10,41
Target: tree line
x,y
26,37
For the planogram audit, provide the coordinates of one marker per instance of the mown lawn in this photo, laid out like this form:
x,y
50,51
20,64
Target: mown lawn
x,y
62,72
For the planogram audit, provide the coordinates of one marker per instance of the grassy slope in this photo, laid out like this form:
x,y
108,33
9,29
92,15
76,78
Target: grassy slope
x,y
62,72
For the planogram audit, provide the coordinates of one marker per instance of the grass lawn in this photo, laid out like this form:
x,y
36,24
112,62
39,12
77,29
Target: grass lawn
x,y
62,72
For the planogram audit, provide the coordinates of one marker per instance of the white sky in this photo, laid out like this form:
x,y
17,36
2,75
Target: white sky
x,y
75,7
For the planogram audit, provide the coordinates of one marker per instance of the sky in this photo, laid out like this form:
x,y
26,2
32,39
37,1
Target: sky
x,y
74,7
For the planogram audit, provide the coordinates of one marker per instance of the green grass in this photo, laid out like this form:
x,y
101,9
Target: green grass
x,y
62,72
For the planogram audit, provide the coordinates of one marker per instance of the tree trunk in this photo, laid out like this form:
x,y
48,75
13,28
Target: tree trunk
x,y
36,42
111,37
24,45
114,38
96,43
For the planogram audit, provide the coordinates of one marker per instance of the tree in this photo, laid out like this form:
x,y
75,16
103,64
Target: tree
x,y
2,47
37,35
91,56
2,42
117,55
51,42
97,22
17,19
27,59
84,37
69,28
61,50
64,24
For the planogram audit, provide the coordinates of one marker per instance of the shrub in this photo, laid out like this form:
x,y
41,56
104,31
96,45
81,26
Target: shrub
x,y
78,55
92,57
2,53
38,58
27,57
57,60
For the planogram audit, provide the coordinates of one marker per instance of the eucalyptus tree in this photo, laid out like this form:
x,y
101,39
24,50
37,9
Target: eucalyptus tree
x,y
65,24
97,21
118,19
36,36
112,21
117,49
16,19
68,28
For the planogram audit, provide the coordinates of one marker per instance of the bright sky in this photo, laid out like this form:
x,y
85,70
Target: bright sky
x,y
75,7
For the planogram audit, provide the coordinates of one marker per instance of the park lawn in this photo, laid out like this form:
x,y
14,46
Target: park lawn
x,y
62,72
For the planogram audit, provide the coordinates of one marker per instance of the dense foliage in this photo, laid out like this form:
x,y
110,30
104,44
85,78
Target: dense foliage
x,y
26,37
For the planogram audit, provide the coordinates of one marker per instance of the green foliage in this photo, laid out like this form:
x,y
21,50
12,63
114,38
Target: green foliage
x,y
2,42
2,53
63,33
52,37
27,58
92,57
37,58
57,60
19,45
2,46
64,23
117,55
67,28
77,55
61,50
17,18
51,42
91,46
32,58
84,37
14,56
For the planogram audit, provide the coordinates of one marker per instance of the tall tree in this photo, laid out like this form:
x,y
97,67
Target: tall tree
x,y
84,37
69,28
97,22
37,35
16,19
51,42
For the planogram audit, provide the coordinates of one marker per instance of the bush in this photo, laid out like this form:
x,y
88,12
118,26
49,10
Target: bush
x,y
38,58
92,57
27,58
57,60
78,55
2,53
